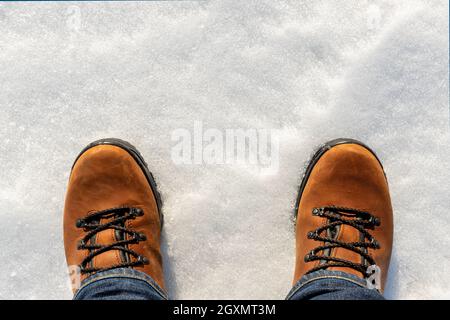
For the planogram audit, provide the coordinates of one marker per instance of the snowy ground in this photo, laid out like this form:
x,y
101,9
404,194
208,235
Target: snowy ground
x,y
315,70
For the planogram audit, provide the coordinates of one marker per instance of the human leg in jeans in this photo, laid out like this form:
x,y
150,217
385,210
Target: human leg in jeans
x,y
344,226
112,225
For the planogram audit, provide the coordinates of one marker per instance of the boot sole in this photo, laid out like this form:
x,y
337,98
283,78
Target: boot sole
x,y
132,150
318,154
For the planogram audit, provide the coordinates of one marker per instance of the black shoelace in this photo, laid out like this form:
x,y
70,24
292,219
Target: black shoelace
x,y
338,216
117,221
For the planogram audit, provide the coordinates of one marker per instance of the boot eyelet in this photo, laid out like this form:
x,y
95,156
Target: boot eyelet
x,y
142,237
80,223
375,243
137,212
81,245
139,237
311,234
143,260
374,221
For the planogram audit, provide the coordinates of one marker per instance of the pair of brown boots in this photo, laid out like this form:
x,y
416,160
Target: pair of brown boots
x,y
112,215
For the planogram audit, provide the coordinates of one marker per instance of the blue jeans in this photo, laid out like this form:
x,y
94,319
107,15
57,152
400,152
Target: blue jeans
x,y
332,285
120,284
129,284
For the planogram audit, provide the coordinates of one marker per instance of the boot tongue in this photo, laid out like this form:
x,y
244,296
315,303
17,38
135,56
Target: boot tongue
x,y
347,234
111,257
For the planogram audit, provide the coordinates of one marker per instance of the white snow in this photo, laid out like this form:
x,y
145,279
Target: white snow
x,y
71,73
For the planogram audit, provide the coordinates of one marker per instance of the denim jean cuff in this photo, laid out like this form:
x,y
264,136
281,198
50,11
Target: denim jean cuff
x,y
126,273
326,274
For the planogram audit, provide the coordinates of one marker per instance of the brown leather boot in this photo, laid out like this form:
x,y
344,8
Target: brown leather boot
x,y
112,216
344,212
